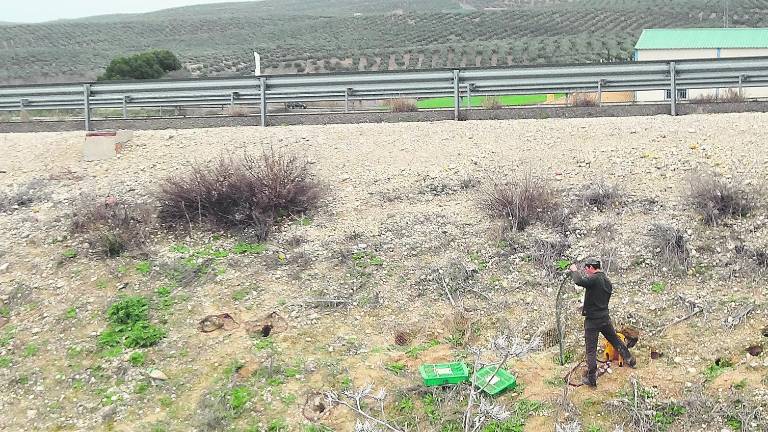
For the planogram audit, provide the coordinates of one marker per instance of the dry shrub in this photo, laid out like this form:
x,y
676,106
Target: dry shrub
x,y
760,257
716,198
732,96
582,100
402,105
461,328
546,253
214,412
600,195
453,277
727,96
607,246
492,102
743,410
252,192
673,246
640,410
23,195
754,258
111,225
185,273
704,99
236,111
523,202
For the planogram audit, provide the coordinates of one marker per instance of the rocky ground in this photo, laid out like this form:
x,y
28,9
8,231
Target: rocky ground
x,y
400,224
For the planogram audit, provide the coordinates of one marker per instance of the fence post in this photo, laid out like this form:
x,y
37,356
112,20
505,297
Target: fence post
x,y
87,106
263,88
673,89
125,107
456,95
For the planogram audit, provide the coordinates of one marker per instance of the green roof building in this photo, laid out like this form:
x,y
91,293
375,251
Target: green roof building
x,y
698,43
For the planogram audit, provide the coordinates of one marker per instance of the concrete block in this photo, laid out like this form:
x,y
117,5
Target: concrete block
x,y
123,136
101,145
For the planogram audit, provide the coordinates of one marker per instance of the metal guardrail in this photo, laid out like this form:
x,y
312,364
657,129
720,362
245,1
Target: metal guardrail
x,y
346,87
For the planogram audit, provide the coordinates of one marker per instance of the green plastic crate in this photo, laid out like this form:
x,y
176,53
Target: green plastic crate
x,y
444,373
503,380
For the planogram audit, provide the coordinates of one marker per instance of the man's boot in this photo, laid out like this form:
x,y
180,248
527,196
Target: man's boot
x,y
589,380
632,362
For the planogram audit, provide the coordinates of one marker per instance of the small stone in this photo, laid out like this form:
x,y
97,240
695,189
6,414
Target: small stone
x,y
4,267
755,350
157,374
108,413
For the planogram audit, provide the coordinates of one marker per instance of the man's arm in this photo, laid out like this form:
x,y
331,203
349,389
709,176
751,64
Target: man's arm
x,y
586,282
578,279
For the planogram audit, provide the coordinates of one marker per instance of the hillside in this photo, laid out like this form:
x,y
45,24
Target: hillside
x,y
399,265
290,7
296,36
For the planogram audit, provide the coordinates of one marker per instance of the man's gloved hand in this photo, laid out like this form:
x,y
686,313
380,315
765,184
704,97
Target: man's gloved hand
x,y
573,268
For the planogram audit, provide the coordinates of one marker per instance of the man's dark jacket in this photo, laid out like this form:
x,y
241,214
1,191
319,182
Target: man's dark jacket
x,y
598,293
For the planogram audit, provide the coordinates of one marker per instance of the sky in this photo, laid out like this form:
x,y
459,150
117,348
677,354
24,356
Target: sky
x,y
29,11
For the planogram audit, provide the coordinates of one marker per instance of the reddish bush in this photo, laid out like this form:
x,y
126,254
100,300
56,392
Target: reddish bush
x,y
253,192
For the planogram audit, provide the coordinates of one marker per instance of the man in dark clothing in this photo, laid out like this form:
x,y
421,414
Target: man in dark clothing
x,y
597,294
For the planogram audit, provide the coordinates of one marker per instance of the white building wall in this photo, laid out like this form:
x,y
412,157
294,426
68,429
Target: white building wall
x,y
692,54
675,54
743,52
749,92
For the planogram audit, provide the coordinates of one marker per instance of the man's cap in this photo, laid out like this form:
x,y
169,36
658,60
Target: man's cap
x,y
592,262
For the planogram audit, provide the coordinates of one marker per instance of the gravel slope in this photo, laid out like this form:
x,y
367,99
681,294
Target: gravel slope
x,y
408,193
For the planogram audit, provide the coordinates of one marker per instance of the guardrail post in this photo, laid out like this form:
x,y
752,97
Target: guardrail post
x,y
232,99
469,96
600,92
673,89
87,106
125,106
456,95
347,91
741,85
22,103
263,89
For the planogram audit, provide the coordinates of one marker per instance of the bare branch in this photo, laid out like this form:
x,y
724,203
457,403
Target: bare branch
x,y
353,400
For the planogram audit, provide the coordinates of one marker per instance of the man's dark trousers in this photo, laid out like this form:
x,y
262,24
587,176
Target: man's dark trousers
x,y
592,328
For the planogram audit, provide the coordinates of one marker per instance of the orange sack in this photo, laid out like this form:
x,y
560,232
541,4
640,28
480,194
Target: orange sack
x,y
628,336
